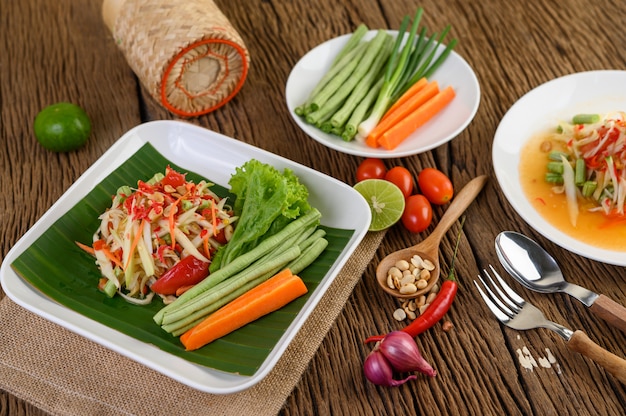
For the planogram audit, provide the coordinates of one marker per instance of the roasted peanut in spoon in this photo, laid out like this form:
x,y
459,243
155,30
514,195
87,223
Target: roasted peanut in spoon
x,y
428,249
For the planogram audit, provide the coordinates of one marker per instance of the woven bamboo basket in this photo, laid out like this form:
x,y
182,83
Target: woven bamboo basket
x,y
185,53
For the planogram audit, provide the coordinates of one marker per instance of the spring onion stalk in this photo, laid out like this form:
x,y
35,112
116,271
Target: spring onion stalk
x,y
570,191
396,66
442,57
427,66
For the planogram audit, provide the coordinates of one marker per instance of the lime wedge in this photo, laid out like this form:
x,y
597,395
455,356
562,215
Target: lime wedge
x,y
386,202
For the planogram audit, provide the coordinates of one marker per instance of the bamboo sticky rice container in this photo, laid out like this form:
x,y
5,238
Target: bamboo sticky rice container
x,y
185,52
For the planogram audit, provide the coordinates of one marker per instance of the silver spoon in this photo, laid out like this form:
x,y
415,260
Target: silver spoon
x,y
534,268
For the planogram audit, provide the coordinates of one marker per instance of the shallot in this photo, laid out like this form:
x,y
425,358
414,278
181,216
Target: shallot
x,y
378,370
402,352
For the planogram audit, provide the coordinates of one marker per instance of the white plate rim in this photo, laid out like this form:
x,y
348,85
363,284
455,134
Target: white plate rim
x,y
560,98
174,139
455,71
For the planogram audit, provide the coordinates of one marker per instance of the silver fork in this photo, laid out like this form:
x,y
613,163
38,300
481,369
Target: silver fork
x,y
513,311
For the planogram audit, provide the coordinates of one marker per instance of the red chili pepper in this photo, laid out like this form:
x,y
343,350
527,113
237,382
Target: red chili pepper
x,y
186,272
433,314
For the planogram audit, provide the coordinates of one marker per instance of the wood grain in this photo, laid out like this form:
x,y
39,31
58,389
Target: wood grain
x,y
61,51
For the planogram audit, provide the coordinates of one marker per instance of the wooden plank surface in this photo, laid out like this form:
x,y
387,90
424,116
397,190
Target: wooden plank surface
x,y
61,51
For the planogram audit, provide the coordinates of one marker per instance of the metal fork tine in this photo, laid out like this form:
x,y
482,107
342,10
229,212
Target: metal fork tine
x,y
502,299
502,317
512,294
495,299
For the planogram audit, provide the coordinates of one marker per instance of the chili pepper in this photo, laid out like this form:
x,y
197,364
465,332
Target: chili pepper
x,y
433,314
438,307
186,272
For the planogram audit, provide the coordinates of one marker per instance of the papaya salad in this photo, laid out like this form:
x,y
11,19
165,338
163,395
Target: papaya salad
x,y
587,159
159,237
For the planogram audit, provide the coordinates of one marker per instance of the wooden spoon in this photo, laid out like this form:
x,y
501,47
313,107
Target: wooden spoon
x,y
428,249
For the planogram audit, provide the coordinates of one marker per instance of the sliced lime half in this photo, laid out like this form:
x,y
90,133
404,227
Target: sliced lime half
x,y
386,202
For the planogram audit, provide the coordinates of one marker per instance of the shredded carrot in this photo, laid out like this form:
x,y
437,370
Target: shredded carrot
x,y
213,218
115,259
267,297
404,128
415,88
205,244
85,247
183,289
136,239
410,104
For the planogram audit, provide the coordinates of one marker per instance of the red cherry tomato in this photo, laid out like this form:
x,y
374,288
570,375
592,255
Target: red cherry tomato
x,y
402,178
188,271
371,168
418,213
173,178
435,186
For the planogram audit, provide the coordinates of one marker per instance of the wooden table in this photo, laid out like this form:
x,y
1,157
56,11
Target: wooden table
x,y
61,51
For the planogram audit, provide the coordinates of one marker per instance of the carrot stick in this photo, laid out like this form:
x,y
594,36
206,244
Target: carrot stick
x,y
415,88
267,297
410,104
404,128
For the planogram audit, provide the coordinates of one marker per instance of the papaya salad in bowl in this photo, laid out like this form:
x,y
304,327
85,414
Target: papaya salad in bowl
x,y
558,155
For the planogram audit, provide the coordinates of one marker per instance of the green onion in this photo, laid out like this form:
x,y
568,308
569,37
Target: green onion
x,y
396,66
406,66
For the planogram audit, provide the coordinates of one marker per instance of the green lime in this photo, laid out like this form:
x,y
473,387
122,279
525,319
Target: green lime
x,y
386,202
62,127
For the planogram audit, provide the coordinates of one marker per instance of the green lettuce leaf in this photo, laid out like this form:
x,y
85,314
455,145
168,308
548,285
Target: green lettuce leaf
x,y
266,201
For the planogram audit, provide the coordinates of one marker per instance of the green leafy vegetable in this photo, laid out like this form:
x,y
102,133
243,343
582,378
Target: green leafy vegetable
x,y
266,201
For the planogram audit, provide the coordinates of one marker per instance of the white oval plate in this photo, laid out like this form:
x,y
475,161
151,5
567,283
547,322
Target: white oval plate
x,y
445,126
538,110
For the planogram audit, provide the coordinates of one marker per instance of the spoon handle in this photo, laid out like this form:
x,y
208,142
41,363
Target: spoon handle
x,y
458,206
611,311
582,344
